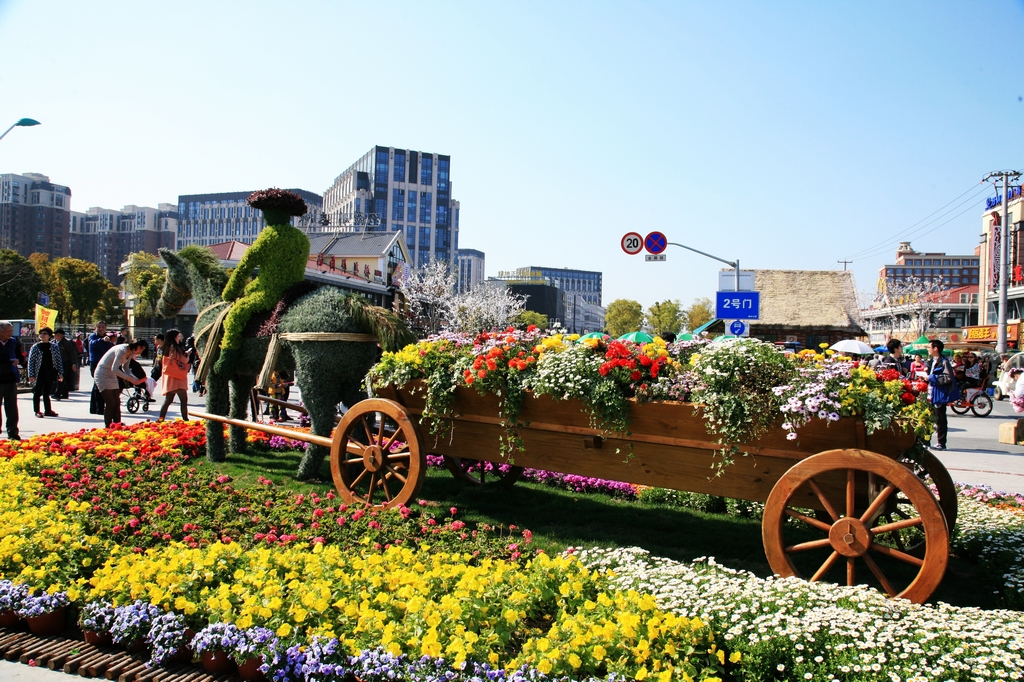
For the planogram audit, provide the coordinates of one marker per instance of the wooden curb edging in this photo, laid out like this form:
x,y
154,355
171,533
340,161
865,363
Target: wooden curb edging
x,y
76,657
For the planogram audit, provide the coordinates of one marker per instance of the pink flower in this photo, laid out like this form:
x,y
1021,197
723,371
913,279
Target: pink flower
x,y
454,511
341,520
374,524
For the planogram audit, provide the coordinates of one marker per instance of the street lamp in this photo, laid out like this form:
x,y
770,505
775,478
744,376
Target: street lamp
x,y
21,122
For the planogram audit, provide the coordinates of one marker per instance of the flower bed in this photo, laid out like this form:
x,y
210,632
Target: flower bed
x,y
143,530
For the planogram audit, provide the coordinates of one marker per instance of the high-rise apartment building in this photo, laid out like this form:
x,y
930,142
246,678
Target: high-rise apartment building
x,y
471,269
206,219
398,190
35,215
106,236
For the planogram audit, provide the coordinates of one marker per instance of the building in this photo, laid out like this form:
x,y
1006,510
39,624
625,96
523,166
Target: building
x,y
35,215
586,283
805,307
545,299
398,190
207,219
948,271
471,268
989,250
107,236
367,262
940,314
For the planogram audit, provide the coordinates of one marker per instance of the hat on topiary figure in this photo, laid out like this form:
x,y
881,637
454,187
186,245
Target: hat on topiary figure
x,y
280,252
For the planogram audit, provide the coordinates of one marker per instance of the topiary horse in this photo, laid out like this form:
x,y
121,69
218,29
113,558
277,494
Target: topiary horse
x,y
327,372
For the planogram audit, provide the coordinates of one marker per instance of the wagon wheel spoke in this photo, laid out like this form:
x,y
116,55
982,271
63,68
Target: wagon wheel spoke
x,y
394,472
825,567
392,439
809,520
851,572
824,500
354,447
896,554
385,488
811,544
850,475
897,525
401,454
380,430
877,503
881,576
369,492
366,427
358,478
354,460
897,538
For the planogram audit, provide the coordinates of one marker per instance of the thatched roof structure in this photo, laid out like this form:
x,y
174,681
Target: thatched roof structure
x,y
823,300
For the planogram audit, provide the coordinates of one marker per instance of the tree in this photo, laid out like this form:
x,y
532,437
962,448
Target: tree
x,y
700,313
665,317
111,308
145,281
427,291
20,283
84,285
623,316
51,285
913,305
489,305
528,317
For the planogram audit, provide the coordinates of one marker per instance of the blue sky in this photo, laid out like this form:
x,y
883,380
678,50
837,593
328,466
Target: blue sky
x,y
788,135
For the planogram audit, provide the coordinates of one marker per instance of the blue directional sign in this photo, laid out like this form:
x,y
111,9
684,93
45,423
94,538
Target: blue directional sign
x,y
737,328
655,242
738,305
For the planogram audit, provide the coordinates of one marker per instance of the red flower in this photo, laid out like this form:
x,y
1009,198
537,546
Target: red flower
x,y
635,375
908,398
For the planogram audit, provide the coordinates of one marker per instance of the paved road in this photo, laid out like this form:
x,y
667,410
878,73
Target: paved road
x,y
975,454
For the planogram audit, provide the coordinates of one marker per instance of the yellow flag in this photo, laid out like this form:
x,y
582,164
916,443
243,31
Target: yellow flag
x,y
45,317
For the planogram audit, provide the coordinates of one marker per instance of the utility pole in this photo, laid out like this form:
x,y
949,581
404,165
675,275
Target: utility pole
x,y
1004,256
845,263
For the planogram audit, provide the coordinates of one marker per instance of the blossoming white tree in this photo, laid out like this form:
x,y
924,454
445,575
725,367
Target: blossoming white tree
x,y
427,291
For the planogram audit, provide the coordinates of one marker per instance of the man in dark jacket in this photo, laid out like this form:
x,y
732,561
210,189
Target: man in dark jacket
x,y
895,359
98,344
69,358
10,357
942,390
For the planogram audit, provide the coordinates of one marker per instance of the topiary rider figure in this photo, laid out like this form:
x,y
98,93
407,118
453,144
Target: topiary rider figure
x,y
280,252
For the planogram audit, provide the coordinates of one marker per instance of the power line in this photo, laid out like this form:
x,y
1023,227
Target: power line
x,y
913,230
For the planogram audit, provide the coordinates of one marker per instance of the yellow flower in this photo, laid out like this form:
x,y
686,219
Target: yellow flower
x,y
734,657
284,630
600,652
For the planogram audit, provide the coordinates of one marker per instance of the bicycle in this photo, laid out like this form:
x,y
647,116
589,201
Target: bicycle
x,y
975,400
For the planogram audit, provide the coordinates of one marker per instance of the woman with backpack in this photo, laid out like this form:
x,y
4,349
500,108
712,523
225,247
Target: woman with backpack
x,y
942,389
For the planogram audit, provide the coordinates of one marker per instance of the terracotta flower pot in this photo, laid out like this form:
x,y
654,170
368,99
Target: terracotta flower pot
x,y
49,623
184,652
98,638
216,662
136,645
249,670
9,619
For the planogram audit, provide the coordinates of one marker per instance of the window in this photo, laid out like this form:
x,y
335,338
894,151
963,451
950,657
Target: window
x,y
917,271
956,262
426,170
956,280
410,215
974,262
381,176
399,167
424,242
927,262
945,262
410,236
442,215
425,201
442,175
397,204
945,271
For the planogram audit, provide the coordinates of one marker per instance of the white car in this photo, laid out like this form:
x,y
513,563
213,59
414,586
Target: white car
x,y
1004,385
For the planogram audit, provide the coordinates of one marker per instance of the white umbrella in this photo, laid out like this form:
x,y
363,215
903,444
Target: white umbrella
x,y
852,346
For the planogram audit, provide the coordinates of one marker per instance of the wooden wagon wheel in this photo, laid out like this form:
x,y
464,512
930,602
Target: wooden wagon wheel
x,y
479,472
376,456
858,529
897,506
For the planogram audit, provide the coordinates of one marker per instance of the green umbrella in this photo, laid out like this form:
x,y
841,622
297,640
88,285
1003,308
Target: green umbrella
x,y
593,335
685,337
636,337
724,337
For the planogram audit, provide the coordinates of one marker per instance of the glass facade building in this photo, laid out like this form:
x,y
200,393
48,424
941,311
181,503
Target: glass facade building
x,y
417,185
585,283
206,219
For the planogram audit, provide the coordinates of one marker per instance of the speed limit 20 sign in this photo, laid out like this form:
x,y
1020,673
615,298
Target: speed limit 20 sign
x,y
632,243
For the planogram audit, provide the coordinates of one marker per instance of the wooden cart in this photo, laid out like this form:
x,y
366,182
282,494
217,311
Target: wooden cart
x,y
836,496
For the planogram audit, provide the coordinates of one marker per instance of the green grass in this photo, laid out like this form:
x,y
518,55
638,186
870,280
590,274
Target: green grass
x,y
560,519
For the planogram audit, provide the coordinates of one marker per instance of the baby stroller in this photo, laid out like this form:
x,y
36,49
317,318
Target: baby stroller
x,y
138,396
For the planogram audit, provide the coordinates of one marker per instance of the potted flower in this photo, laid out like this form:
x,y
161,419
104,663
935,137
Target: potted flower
x,y
96,618
255,649
215,644
169,637
132,623
45,612
11,596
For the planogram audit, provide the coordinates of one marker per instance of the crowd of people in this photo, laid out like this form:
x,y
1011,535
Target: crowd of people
x,y
54,363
